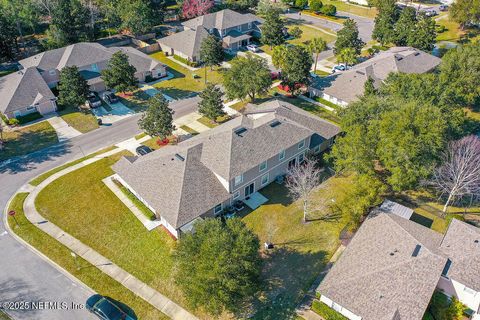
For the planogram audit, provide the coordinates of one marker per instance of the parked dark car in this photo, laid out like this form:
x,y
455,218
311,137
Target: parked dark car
x,y
443,7
143,150
106,308
110,97
93,101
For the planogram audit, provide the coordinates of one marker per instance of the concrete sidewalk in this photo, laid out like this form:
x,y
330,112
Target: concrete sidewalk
x,y
64,130
156,299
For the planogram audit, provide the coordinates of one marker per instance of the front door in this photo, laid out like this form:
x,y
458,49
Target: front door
x,y
292,163
249,189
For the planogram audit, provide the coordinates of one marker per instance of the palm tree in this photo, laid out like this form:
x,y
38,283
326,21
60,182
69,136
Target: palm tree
x,y
347,56
316,46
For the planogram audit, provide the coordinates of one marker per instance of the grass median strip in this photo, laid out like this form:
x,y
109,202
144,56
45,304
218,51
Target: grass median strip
x,y
139,204
87,273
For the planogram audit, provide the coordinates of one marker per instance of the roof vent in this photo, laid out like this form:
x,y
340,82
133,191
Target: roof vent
x,y
179,157
476,241
416,54
275,123
416,251
399,58
240,130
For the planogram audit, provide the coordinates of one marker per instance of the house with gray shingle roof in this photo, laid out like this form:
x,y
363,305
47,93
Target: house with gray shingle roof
x,y
393,265
29,89
345,87
233,28
202,176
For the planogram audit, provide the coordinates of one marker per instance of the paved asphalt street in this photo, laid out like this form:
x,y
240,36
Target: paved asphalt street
x,y
25,276
365,27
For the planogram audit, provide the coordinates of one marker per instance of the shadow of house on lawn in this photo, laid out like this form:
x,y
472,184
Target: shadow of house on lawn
x,y
287,275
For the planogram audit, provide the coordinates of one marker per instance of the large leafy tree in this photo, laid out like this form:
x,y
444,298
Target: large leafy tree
x,y
405,25
316,46
73,88
211,52
348,37
69,23
248,76
195,8
158,119
8,37
384,30
272,29
296,67
218,265
120,74
424,35
137,16
466,12
211,104
241,4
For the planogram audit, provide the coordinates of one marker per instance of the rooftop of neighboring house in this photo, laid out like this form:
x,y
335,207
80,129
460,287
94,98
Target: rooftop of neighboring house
x,y
187,42
223,19
85,54
349,85
390,268
183,181
21,89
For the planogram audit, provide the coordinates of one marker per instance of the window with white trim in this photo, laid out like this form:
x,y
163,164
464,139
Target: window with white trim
x,y
236,195
301,144
281,155
218,208
262,166
265,179
238,179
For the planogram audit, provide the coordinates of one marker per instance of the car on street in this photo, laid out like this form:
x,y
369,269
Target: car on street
x,y
106,308
443,7
252,48
110,97
143,150
339,67
93,101
430,13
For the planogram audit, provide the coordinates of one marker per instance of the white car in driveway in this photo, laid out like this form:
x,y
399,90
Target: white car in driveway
x,y
252,48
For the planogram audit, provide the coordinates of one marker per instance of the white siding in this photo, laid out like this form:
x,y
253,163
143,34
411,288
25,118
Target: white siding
x,y
350,315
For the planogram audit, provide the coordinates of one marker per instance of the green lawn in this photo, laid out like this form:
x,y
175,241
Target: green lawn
x,y
44,176
152,142
88,273
323,16
137,101
209,123
353,8
142,207
83,206
183,84
327,103
4,73
83,122
189,130
301,251
326,312
29,139
452,32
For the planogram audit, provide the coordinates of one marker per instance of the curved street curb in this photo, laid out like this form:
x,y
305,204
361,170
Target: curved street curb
x,y
139,288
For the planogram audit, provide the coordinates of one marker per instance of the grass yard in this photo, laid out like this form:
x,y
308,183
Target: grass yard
x,y
183,84
152,142
301,250
88,273
28,139
143,208
327,103
83,122
187,129
352,8
326,312
4,73
44,176
209,123
452,32
323,16
137,101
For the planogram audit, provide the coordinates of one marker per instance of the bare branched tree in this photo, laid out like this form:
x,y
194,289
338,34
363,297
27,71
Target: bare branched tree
x,y
301,181
459,174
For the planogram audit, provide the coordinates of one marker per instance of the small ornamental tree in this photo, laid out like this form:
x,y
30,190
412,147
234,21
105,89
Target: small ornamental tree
x,y
315,5
195,8
218,265
329,10
158,119
316,46
72,88
272,29
211,53
347,56
296,32
248,76
211,104
119,74
301,3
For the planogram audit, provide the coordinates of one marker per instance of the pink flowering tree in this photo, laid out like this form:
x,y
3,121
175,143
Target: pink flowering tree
x,y
195,8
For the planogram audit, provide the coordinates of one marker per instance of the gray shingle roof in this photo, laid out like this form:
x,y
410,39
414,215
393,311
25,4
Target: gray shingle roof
x,y
84,54
378,275
180,191
23,88
221,20
460,246
349,85
187,42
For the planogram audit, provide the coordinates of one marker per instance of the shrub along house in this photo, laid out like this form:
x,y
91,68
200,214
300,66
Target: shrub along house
x,y
345,87
206,174
233,28
28,90
393,265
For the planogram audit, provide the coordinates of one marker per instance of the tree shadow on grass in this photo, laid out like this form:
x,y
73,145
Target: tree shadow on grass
x,y
177,93
287,275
